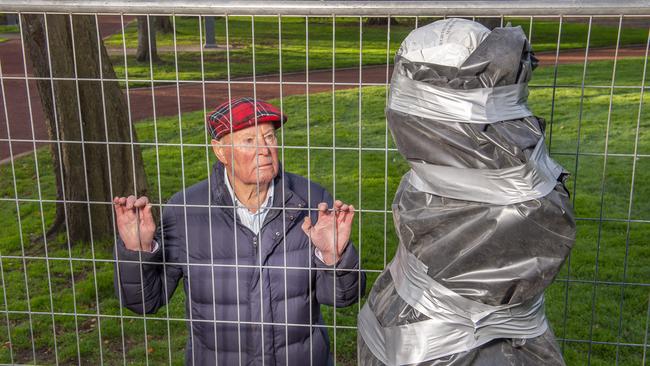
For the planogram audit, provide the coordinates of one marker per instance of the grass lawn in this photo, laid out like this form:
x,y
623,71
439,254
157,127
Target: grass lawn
x,y
610,251
6,29
323,52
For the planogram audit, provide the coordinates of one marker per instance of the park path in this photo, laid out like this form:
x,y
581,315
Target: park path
x,y
175,98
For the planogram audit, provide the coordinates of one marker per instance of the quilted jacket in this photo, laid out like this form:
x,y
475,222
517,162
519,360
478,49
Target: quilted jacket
x,y
250,299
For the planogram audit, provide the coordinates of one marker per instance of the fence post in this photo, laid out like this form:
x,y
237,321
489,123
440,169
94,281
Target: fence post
x,y
209,33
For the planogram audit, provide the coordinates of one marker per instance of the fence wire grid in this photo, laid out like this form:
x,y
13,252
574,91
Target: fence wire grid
x,y
330,75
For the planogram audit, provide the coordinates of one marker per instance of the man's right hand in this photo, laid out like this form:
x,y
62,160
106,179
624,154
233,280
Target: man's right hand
x,y
135,222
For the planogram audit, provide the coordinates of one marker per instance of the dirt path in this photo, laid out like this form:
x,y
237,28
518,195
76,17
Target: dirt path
x,y
16,98
189,96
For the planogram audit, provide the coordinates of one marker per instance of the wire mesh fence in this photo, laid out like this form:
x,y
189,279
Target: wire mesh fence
x,y
329,72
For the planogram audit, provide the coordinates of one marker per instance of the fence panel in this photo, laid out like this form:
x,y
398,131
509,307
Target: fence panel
x,y
327,65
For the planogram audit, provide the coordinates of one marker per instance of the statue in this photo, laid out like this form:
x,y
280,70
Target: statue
x,y
483,217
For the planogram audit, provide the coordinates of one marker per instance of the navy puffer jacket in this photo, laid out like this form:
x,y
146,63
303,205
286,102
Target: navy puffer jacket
x,y
200,246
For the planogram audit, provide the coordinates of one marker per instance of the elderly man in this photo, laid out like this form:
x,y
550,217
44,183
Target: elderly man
x,y
241,240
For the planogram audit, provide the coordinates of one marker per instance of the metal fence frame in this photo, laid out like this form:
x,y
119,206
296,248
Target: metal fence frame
x,y
589,9
327,8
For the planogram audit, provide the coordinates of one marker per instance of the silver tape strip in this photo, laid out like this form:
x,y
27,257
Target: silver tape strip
x,y
481,106
532,180
455,323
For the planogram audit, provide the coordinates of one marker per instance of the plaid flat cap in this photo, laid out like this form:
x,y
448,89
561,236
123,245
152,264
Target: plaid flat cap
x,y
243,111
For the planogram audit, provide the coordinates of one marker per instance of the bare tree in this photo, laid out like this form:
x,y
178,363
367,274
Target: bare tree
x,y
147,45
85,111
164,24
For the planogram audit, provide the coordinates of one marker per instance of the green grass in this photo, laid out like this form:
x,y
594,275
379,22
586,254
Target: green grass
x,y
323,52
544,34
7,29
266,50
612,251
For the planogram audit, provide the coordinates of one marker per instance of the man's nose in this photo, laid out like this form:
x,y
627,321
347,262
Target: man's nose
x,y
263,147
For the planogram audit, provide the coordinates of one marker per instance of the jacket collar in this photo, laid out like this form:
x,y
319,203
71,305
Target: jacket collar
x,y
283,197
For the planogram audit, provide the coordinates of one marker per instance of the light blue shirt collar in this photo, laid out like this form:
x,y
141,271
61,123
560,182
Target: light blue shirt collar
x,y
251,220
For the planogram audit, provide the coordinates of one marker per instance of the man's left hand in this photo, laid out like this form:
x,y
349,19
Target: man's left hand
x,y
331,233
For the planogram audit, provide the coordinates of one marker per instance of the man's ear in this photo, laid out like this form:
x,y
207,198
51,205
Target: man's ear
x,y
218,149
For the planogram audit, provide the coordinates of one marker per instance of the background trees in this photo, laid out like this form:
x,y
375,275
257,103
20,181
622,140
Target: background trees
x,y
91,111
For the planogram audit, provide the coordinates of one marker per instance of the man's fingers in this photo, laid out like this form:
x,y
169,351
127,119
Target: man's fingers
x,y
350,215
346,216
145,213
337,205
342,212
119,209
322,206
130,201
322,210
306,225
141,202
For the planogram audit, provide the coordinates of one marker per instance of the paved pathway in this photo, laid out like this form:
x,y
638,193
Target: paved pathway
x,y
16,98
191,94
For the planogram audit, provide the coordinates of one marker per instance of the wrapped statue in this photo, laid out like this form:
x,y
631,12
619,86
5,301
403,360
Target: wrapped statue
x,y
483,217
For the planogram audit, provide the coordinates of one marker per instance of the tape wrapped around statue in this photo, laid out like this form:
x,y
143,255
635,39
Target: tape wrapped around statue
x,y
483,218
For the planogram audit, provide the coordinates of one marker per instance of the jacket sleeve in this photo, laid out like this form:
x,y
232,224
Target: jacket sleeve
x,y
144,280
342,284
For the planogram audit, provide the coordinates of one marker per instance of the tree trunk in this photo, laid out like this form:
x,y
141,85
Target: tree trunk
x,y
380,21
164,24
489,23
88,174
146,40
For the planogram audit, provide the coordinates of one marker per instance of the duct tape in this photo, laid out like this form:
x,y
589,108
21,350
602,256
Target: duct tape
x,y
455,324
532,180
481,106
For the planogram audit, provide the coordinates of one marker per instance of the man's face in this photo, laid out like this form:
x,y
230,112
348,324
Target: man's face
x,y
252,152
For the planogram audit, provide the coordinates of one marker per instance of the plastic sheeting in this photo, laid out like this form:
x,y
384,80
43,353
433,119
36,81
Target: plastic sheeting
x,y
444,43
469,257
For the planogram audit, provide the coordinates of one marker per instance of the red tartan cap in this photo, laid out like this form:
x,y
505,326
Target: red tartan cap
x,y
243,112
